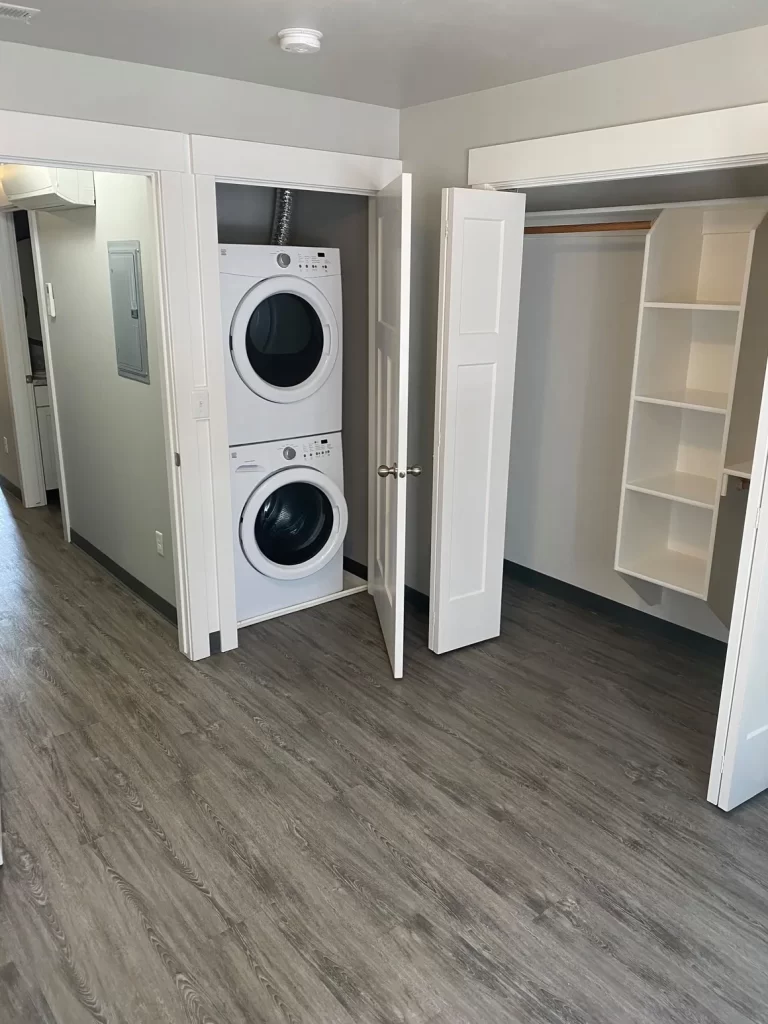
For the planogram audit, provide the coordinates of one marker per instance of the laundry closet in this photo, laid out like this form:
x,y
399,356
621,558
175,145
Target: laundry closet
x,y
295,295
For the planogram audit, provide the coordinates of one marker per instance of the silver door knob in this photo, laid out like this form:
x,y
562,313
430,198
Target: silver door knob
x,y
387,470
414,470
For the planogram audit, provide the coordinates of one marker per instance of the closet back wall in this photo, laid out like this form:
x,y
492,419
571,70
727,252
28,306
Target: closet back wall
x,y
578,319
341,222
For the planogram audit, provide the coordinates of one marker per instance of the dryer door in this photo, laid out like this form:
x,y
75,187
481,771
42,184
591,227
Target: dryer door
x,y
293,523
284,339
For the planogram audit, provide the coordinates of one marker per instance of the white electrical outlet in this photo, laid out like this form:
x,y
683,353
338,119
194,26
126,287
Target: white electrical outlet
x,y
5,445
159,542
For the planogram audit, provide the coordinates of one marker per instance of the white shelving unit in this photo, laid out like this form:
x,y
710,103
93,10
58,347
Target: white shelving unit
x,y
694,294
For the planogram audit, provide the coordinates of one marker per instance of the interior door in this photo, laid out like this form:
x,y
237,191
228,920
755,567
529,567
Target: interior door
x,y
480,264
740,756
388,426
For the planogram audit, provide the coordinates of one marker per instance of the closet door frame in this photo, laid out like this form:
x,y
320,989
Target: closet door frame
x,y
164,157
711,140
213,161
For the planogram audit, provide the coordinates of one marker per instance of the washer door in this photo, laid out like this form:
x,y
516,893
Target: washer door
x,y
293,523
284,339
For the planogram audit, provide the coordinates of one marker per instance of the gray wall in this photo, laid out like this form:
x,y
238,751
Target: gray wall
x,y
576,343
43,81
434,142
338,222
113,445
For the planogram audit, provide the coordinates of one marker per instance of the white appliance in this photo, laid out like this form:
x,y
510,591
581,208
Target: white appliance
x,y
282,325
290,520
47,188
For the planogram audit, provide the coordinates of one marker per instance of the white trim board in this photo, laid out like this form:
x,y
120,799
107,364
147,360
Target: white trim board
x,y
352,585
736,136
63,141
288,166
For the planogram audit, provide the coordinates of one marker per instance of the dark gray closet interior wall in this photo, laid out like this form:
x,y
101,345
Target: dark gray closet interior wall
x,y
338,222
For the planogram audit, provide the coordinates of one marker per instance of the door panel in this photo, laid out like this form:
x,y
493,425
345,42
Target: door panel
x,y
740,755
389,418
481,258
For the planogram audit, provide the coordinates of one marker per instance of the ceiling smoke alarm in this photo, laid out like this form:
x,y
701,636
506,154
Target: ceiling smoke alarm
x,y
18,13
299,40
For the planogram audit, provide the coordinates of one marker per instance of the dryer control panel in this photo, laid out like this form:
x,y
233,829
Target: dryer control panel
x,y
316,449
312,262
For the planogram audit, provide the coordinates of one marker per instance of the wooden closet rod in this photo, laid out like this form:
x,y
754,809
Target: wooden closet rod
x,y
607,225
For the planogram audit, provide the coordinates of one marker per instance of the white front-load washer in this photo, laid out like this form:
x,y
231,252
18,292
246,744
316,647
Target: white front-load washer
x,y
290,520
281,312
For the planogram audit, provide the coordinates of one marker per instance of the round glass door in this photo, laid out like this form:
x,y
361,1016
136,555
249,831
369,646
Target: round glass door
x,y
284,339
293,523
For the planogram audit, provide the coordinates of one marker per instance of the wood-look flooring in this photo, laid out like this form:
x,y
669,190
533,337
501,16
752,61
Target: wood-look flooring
x,y
513,833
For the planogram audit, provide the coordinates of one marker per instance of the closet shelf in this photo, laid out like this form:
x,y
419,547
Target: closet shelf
x,y
672,569
743,470
688,398
684,487
716,306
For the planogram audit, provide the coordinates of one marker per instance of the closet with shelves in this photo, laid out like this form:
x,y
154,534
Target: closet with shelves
x,y
690,427
641,357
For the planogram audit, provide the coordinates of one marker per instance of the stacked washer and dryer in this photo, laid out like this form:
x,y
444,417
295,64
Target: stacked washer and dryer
x,y
282,320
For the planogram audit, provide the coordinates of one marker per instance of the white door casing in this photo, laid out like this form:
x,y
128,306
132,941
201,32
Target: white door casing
x,y
480,264
389,410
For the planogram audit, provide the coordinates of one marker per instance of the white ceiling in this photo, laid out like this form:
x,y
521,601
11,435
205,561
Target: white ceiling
x,y
391,52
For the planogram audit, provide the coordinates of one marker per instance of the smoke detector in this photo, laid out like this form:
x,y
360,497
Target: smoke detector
x,y
299,40
25,14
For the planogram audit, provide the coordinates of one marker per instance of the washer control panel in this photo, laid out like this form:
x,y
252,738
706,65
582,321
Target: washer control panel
x,y
317,449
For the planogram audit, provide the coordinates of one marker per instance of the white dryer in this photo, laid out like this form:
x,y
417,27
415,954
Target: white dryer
x,y
290,520
282,324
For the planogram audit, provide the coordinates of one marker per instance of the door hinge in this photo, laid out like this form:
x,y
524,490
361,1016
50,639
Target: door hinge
x,y
176,459
757,517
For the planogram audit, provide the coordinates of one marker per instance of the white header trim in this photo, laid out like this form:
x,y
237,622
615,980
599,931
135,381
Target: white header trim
x,y
258,162
40,138
715,138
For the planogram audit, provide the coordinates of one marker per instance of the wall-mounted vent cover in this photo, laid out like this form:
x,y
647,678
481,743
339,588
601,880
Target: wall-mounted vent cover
x,y
18,13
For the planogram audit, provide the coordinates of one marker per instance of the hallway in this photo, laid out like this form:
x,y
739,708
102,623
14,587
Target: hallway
x,y
516,832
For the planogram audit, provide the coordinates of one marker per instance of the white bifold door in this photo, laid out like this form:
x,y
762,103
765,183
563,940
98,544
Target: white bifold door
x,y
740,756
388,425
480,263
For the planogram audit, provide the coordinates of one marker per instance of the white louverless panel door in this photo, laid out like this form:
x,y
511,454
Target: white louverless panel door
x,y
389,416
480,263
740,756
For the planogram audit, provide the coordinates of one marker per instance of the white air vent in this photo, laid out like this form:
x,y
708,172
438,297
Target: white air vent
x,y
18,13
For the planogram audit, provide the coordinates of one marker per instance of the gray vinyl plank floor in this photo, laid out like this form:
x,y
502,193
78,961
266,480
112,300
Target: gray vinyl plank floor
x,y
516,832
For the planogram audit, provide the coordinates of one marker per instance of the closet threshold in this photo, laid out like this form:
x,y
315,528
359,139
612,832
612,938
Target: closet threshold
x,y
689,398
352,585
726,307
671,569
700,491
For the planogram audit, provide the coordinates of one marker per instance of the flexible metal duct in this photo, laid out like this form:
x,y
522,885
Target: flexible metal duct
x,y
281,222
